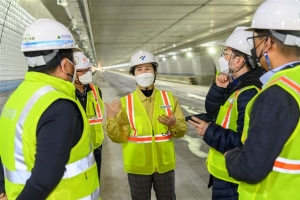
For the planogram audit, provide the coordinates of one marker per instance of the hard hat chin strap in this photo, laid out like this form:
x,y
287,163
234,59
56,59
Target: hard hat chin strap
x,y
287,39
40,60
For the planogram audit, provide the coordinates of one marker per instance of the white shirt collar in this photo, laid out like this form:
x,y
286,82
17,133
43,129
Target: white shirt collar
x,y
268,75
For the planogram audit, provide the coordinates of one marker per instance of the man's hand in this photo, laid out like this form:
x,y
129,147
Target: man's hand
x,y
222,80
113,108
199,124
168,121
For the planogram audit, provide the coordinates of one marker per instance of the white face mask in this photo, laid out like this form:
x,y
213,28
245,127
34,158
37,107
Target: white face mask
x,y
86,78
145,79
223,63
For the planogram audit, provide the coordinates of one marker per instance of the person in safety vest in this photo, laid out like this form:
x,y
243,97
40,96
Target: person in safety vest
x,y
90,98
226,100
47,151
267,166
145,122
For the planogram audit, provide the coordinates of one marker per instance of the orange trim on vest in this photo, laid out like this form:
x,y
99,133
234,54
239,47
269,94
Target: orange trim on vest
x,y
163,138
98,109
146,139
167,103
288,82
226,119
288,166
130,114
130,110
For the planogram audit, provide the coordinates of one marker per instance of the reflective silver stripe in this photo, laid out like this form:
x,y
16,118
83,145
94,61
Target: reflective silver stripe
x,y
18,177
75,168
19,157
145,142
288,166
72,169
163,137
94,196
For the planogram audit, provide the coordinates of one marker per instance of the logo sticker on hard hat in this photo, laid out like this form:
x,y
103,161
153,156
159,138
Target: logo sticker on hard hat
x,y
27,38
143,57
63,36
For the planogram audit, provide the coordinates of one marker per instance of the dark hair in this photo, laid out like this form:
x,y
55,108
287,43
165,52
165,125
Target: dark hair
x,y
286,50
52,65
245,56
131,70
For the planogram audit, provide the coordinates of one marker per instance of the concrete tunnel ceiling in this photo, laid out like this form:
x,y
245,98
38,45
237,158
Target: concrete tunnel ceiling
x,y
122,27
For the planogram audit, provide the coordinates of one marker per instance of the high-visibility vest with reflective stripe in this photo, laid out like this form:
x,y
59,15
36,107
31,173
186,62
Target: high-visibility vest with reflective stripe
x,y
150,145
18,124
227,118
284,180
94,111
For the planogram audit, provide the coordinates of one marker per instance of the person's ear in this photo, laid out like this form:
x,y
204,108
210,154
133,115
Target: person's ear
x,y
63,63
268,44
240,61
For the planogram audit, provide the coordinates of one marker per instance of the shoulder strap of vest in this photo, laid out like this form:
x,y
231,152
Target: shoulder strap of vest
x,y
286,81
225,122
130,112
98,107
167,103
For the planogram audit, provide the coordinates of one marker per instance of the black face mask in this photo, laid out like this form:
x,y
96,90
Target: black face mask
x,y
253,53
254,56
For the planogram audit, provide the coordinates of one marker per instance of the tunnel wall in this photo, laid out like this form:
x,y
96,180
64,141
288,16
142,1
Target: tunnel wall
x,y
13,20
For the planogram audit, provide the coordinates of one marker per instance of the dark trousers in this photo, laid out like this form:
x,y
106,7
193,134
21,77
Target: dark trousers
x,y
163,185
98,158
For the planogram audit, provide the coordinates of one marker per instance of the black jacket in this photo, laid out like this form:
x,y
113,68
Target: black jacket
x,y
216,136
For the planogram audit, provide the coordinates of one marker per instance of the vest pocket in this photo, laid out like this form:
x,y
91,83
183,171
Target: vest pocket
x,y
168,152
96,135
135,154
90,109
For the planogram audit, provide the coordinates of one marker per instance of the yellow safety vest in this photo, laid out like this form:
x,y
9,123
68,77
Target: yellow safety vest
x,y
94,110
227,118
18,124
283,181
148,147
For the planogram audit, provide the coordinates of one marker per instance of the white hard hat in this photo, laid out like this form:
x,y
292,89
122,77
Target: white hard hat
x,y
238,40
47,34
81,61
277,15
143,57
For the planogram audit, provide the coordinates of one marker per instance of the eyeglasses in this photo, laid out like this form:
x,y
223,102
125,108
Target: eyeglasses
x,y
70,62
224,52
251,39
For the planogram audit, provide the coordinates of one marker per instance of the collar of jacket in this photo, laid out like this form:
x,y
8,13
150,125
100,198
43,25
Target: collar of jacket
x,y
59,84
142,97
